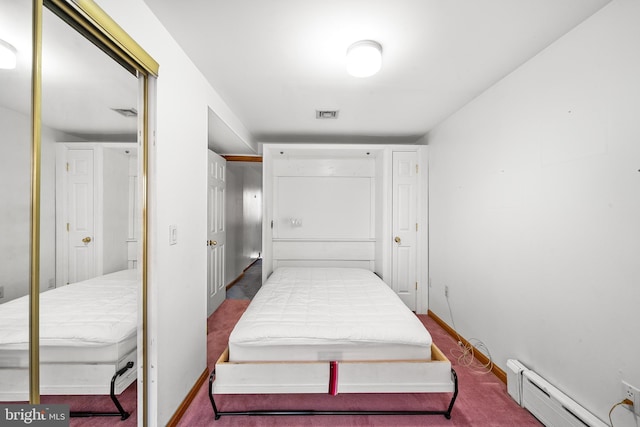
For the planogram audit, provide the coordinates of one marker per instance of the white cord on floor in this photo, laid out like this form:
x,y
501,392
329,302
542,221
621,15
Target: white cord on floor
x,y
464,353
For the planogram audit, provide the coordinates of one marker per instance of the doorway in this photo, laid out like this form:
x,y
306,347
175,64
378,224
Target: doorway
x,y
242,212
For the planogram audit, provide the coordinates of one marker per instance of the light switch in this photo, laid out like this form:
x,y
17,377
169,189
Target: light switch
x,y
173,234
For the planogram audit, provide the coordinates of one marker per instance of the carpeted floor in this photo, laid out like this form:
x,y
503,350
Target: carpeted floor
x,y
247,286
482,400
99,403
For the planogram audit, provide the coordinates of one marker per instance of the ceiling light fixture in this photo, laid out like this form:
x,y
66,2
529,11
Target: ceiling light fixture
x,y
8,56
364,58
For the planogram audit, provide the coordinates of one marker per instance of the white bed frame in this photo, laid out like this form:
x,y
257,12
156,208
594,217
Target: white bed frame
x,y
62,378
386,376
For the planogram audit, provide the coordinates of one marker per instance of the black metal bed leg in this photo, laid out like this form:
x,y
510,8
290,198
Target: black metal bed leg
x,y
447,414
121,412
216,416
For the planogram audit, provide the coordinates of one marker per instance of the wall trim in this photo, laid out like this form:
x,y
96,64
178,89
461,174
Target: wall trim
x,y
230,158
175,419
502,376
234,281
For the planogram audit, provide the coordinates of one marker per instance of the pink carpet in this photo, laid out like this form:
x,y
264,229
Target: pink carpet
x,y
482,398
127,399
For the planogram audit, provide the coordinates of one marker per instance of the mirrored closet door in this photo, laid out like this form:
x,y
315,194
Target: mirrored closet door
x,y
74,165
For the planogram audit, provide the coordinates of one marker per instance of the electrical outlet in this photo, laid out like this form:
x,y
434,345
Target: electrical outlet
x,y
446,291
633,394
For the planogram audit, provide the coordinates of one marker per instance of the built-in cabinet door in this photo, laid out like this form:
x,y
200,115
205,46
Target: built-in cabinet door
x,y
405,226
216,231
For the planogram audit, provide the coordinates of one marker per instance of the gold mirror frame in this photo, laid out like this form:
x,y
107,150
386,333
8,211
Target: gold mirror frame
x,y
87,17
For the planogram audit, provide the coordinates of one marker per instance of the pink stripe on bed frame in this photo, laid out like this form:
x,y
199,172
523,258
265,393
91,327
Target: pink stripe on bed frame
x,y
333,378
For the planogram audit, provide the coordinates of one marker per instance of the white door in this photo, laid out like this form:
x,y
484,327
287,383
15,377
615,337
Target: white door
x,y
80,215
405,226
216,231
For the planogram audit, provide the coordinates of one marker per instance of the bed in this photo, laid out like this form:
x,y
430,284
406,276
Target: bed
x,y
329,330
88,339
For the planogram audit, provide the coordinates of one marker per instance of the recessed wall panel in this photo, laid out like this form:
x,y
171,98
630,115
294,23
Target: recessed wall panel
x,y
323,207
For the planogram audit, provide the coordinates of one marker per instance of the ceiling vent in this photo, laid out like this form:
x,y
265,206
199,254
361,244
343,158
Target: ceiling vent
x,y
326,114
127,112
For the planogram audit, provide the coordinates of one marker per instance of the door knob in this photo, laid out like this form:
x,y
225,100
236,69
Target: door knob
x,y
397,239
86,240
213,242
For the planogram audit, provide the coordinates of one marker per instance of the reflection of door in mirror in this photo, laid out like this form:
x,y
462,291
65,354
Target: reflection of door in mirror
x,y
96,215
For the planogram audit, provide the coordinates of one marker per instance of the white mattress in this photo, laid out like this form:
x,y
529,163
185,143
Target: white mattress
x,y
310,314
91,321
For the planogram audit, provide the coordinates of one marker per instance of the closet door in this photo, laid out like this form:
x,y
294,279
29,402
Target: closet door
x,y
405,226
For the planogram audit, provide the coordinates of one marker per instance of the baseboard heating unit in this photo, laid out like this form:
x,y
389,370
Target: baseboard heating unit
x,y
547,403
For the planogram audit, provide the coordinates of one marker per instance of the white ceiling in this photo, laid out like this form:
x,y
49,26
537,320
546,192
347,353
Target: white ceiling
x,y
276,62
80,83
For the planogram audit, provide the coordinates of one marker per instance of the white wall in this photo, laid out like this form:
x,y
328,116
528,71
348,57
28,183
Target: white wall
x,y
15,209
535,213
243,217
115,220
233,223
252,212
177,273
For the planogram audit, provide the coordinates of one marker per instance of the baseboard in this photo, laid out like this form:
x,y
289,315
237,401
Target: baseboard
x,y
502,375
187,400
252,262
234,281
241,274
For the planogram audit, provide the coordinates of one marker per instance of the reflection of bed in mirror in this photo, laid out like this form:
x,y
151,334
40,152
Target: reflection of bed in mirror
x,y
88,332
